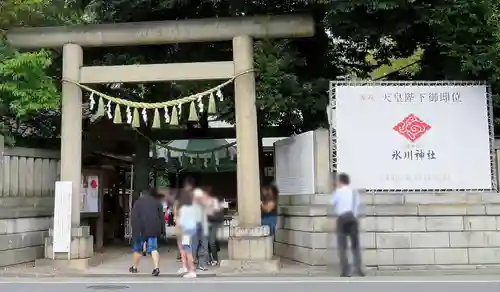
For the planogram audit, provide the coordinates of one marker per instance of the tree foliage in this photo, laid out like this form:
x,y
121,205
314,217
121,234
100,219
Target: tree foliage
x,y
291,74
388,39
27,85
26,88
455,39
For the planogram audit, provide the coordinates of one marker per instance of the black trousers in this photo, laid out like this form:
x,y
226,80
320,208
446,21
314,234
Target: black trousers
x,y
348,228
213,242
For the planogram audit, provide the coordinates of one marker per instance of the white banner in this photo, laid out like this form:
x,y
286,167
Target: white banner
x,y
414,137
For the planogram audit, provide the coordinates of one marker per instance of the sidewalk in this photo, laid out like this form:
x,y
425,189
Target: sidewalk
x,y
115,262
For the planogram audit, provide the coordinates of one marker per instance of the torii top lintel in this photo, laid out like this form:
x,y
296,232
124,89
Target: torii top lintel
x,y
163,32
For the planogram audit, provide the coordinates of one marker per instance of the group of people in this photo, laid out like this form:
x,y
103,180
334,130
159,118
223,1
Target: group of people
x,y
198,216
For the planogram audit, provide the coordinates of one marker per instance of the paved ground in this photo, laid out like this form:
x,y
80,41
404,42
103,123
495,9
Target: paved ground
x,y
455,284
114,262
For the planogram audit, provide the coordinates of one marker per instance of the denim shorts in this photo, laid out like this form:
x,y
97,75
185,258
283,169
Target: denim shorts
x,y
271,221
187,240
138,244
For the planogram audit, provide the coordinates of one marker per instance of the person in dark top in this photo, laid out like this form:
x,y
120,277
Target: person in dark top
x,y
147,225
215,223
268,205
160,196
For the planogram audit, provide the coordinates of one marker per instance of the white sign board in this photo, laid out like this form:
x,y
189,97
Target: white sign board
x,y
294,164
394,137
62,217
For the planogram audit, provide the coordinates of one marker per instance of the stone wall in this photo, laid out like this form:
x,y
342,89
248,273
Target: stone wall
x,y
27,181
22,234
399,231
304,229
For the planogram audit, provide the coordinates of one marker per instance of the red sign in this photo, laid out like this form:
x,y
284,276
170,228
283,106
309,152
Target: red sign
x,y
93,184
412,127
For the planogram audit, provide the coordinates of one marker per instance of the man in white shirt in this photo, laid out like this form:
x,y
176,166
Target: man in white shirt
x,y
346,204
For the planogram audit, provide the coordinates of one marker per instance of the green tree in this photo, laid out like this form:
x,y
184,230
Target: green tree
x,y
441,39
389,39
292,75
454,39
27,87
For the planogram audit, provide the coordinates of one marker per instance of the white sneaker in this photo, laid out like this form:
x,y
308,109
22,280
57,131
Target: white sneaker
x,y
190,275
182,271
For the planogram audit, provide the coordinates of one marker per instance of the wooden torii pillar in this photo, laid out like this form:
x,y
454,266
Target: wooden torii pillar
x,y
249,241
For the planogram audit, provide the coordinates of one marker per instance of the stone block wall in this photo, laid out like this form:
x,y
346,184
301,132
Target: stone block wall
x,y
399,231
27,178
304,230
22,235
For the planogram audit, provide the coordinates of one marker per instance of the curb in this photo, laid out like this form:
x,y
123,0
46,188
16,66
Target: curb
x,y
87,275
77,274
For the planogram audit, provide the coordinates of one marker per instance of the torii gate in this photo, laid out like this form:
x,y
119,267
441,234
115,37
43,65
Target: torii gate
x,y
248,241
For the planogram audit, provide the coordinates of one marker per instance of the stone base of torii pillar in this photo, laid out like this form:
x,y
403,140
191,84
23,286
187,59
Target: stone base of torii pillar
x,y
250,250
82,250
